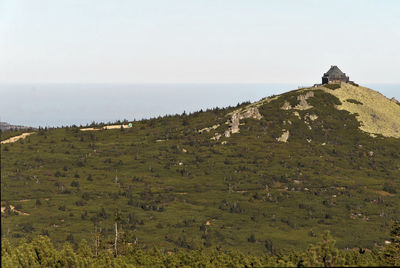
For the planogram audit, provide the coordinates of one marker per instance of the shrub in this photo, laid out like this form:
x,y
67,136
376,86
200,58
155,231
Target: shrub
x,y
332,86
70,238
354,101
75,184
389,187
252,238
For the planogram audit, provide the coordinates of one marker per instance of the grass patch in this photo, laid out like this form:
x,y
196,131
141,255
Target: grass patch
x,y
354,101
332,86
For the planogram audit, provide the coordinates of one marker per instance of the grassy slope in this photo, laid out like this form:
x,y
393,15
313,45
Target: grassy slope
x,y
377,114
214,194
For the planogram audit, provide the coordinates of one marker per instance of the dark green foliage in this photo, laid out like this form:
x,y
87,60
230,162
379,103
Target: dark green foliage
x,y
389,187
332,86
354,101
392,251
70,239
75,183
252,238
354,84
40,252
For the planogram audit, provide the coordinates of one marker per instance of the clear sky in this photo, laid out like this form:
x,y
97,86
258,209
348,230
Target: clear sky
x,y
202,41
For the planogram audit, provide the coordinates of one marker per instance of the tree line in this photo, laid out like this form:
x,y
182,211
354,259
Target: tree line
x,y
40,252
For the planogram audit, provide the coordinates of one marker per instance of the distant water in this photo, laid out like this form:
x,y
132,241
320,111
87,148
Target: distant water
x,y
80,104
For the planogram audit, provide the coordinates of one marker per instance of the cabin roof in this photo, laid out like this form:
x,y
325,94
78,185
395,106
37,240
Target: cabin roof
x,y
334,71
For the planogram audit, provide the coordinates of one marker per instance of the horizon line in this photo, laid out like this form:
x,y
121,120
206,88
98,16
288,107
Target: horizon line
x,y
175,83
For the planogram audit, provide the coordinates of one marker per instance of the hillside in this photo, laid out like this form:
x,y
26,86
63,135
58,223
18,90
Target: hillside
x,y
270,175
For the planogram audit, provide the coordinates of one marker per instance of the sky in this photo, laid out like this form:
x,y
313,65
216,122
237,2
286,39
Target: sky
x,y
203,41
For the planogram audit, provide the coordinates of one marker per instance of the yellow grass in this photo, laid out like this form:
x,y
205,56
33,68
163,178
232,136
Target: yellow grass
x,y
377,114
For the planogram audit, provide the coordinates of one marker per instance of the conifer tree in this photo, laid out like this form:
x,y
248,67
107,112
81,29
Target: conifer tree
x,y
391,253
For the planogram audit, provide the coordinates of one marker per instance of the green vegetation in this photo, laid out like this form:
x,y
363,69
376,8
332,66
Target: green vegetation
x,y
354,84
332,86
40,252
165,184
354,101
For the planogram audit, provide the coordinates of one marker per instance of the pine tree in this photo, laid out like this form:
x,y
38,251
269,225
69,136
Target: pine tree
x,y
324,253
391,253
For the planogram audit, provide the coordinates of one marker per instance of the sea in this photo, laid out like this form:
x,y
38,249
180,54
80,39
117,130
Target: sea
x,y
56,105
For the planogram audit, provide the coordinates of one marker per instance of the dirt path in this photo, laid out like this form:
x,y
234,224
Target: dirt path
x,y
105,127
17,138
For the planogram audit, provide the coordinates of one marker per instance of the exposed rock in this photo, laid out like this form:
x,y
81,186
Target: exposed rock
x,y
252,112
234,122
284,137
303,104
308,118
216,137
209,128
286,106
297,114
312,117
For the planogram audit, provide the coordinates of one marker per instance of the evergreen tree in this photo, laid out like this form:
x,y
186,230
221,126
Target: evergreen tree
x,y
324,253
391,253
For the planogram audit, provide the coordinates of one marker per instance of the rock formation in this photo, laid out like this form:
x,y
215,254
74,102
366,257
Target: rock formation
x,y
234,122
284,137
302,105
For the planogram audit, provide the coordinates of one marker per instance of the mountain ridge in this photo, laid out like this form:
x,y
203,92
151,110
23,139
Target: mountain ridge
x,y
4,126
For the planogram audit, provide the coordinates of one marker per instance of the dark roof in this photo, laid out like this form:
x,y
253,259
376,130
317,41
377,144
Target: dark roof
x,y
334,71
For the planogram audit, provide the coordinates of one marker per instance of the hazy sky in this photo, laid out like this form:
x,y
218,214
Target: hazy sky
x,y
207,41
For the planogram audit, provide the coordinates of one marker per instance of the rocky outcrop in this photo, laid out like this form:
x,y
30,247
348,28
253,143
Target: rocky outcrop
x,y
216,137
209,128
284,137
286,106
234,122
311,117
302,105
